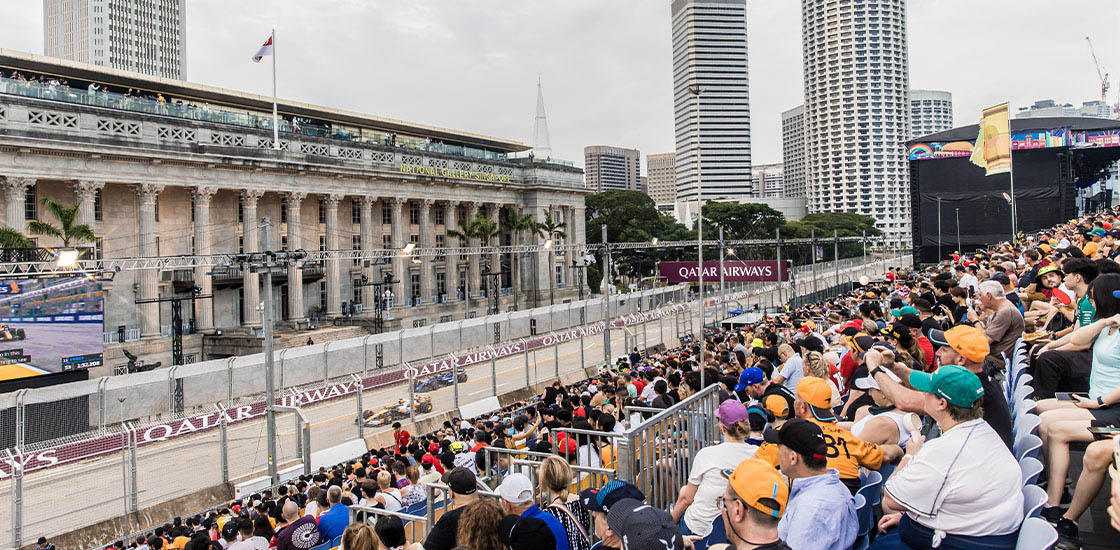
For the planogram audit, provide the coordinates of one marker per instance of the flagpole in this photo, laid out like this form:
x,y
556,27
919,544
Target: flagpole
x,y
275,119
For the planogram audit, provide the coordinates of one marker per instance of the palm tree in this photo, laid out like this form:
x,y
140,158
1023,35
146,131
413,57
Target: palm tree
x,y
68,230
10,238
517,223
554,230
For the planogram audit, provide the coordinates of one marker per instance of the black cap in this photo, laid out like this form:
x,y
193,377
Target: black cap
x,y
910,320
802,436
522,533
812,343
863,343
1000,277
461,481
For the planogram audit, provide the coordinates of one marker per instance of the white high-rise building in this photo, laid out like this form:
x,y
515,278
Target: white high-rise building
x,y
608,168
141,36
1050,108
710,51
931,111
857,110
768,179
793,152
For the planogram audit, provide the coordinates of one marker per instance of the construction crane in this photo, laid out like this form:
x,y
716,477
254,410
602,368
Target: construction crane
x,y
1103,75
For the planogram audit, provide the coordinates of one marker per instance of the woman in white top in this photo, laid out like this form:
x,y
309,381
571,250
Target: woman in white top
x,y
880,423
697,503
387,496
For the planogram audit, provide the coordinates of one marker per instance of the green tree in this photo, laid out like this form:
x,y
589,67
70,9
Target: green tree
x,y
552,230
742,221
68,229
516,223
10,238
631,216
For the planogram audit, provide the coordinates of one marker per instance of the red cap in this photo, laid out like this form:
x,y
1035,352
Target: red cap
x,y
428,459
433,447
566,446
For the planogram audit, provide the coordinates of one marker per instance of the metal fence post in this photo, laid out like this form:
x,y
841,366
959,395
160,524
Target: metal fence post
x,y
223,444
411,393
16,460
305,432
101,402
326,361
133,457
283,352
556,355
365,354
432,342
493,371
229,381
525,348
582,360
454,378
358,387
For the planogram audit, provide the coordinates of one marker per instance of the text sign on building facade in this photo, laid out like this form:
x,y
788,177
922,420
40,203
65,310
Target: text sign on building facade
x,y
735,272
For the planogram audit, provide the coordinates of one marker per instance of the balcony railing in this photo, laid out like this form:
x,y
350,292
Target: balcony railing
x,y
206,113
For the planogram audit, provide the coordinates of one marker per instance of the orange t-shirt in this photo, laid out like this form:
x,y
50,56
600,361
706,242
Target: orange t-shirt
x,y
846,452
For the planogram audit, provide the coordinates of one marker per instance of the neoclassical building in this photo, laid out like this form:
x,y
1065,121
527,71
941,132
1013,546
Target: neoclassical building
x,y
162,167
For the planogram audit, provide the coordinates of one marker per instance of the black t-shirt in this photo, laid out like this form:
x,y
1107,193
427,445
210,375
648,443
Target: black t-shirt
x,y
443,534
930,323
301,534
996,413
780,390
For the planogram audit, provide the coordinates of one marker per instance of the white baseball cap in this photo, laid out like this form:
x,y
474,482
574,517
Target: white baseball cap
x,y
516,489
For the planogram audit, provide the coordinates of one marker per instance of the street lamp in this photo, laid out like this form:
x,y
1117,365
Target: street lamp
x,y
696,90
1011,202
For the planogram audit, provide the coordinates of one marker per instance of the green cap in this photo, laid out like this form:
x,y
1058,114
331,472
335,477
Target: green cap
x,y
956,384
904,310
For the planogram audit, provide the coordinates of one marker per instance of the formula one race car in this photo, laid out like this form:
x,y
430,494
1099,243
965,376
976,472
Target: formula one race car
x,y
7,334
397,411
438,381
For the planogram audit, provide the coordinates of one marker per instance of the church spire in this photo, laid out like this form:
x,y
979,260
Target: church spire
x,y
542,145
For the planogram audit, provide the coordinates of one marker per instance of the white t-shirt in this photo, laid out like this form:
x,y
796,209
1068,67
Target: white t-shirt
x,y
965,482
251,543
895,416
707,475
312,509
791,371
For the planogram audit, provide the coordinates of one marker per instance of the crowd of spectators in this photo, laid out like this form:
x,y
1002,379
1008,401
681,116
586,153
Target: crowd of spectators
x,y
904,378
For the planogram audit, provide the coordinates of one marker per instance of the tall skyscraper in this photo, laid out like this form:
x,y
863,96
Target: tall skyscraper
x,y
607,168
857,110
661,171
146,37
710,52
931,111
793,152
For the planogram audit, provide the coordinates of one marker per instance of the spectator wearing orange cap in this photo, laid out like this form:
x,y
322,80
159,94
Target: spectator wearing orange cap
x,y
846,452
961,345
752,506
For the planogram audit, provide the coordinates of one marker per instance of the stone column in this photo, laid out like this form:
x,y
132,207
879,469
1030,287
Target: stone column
x,y
15,190
204,314
86,191
149,278
570,239
427,265
367,204
474,275
540,260
451,261
296,311
397,240
251,237
496,241
333,277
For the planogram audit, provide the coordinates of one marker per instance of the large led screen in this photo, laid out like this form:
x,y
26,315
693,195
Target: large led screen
x,y
49,325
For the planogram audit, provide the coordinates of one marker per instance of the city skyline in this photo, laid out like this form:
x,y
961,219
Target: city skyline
x,y
480,67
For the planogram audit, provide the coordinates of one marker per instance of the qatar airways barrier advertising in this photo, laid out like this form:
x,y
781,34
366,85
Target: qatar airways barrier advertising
x,y
734,272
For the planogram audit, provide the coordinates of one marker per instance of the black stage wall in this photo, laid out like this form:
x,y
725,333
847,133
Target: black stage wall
x,y
1044,193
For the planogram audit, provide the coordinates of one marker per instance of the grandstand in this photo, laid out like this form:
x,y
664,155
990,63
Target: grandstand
x,y
644,426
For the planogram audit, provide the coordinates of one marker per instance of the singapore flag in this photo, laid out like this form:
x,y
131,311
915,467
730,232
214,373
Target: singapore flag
x,y
266,49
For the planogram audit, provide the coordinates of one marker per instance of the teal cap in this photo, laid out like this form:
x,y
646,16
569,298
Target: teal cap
x,y
956,384
904,310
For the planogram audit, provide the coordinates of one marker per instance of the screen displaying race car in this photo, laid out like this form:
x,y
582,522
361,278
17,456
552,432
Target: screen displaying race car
x,y
49,325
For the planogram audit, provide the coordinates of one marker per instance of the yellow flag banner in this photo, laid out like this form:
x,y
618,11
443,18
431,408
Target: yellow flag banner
x,y
993,145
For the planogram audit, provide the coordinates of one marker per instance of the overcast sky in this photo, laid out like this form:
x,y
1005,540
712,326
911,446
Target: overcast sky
x,y
606,64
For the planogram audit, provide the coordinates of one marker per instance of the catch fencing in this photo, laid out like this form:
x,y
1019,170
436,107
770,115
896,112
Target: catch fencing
x,y
154,436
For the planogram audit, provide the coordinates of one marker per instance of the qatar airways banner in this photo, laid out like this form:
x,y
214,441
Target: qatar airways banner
x,y
735,271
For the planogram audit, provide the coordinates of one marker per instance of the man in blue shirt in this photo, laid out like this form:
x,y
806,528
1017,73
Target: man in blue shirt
x,y
820,513
334,521
517,500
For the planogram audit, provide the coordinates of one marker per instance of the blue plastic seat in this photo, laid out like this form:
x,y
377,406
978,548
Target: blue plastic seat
x,y
1026,424
1033,499
1027,445
1036,534
1031,468
865,514
872,488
